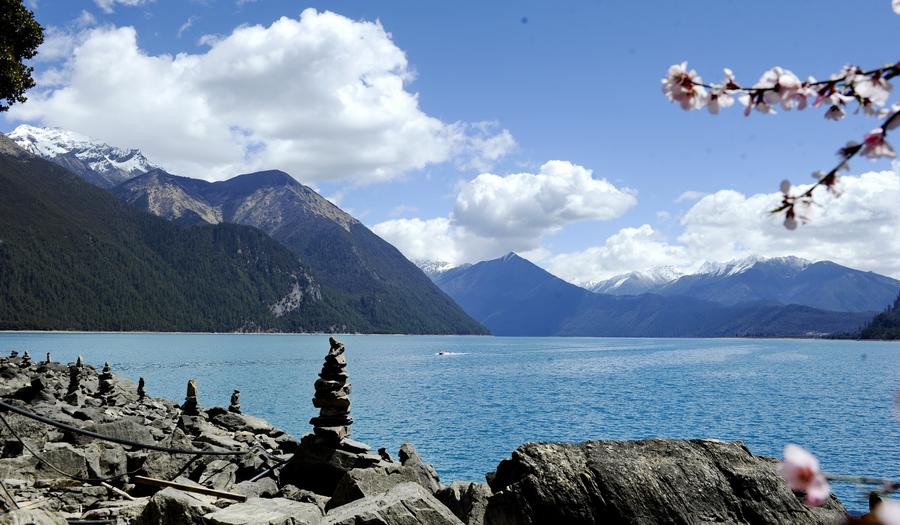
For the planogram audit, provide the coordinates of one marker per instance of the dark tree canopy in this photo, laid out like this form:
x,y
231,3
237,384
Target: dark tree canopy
x,y
20,35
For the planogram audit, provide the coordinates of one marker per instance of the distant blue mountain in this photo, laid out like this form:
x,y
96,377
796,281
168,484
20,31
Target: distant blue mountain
x,y
512,296
788,280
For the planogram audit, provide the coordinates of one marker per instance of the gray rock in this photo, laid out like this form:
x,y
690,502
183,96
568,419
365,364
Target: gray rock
x,y
275,511
219,474
466,500
32,517
405,504
306,496
319,466
265,487
170,506
132,429
427,476
66,458
644,482
366,482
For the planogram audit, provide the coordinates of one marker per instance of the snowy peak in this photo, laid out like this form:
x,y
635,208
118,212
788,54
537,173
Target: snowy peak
x,y
98,163
739,266
638,282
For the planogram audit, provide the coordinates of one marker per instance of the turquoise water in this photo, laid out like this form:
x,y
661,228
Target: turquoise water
x,y
467,411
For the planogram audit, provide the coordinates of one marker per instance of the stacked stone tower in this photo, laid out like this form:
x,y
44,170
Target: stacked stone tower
x,y
333,397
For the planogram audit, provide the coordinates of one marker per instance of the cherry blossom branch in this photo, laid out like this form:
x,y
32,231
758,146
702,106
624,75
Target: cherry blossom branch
x,y
870,88
873,146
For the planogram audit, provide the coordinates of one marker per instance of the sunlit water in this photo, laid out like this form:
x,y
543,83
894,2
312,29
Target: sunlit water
x,y
468,410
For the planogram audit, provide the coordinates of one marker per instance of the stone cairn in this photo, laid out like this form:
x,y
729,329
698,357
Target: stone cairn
x,y
191,407
235,404
106,385
141,393
333,397
26,360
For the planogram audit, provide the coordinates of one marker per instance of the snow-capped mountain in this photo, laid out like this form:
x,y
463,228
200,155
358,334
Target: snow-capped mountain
x,y
434,269
634,283
738,266
788,280
96,162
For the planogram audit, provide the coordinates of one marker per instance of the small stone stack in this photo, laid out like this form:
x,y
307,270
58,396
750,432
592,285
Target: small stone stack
x,y
333,397
106,385
191,406
235,405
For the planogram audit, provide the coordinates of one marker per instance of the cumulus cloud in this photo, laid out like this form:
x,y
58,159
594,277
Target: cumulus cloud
x,y
322,97
627,250
533,204
496,214
857,229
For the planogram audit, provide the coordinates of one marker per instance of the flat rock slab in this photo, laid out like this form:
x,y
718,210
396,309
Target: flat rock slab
x,y
32,517
405,504
646,482
274,511
366,482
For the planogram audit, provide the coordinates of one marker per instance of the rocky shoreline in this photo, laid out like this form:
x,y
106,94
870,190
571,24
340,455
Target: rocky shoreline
x,y
253,473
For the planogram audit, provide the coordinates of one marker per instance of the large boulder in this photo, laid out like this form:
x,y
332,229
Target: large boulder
x,y
32,517
404,504
171,505
275,511
652,481
425,472
366,482
466,500
318,465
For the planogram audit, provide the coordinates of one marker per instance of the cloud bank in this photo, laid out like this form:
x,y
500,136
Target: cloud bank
x,y
494,214
322,97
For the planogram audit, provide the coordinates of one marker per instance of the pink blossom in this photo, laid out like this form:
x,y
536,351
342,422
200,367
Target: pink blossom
x,y
784,88
875,146
835,113
683,86
888,511
801,469
876,90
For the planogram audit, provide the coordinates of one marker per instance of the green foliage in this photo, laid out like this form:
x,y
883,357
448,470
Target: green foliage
x,y
72,257
20,35
885,325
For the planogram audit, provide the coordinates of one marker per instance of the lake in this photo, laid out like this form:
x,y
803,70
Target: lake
x,y
468,410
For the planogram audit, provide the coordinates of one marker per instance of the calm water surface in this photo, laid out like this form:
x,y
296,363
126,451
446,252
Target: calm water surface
x,y
467,411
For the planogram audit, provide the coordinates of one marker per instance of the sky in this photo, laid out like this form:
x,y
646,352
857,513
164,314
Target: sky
x,y
460,131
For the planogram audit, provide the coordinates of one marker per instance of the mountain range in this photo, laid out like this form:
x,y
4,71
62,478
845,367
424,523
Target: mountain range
x,y
73,257
788,280
512,296
315,267
358,272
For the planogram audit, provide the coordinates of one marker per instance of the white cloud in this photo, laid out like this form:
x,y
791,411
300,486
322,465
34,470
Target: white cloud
x,y
496,214
321,97
108,6
533,204
690,196
186,25
858,229
58,44
85,19
629,249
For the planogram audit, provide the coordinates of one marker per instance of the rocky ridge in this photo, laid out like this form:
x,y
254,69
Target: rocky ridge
x,y
54,474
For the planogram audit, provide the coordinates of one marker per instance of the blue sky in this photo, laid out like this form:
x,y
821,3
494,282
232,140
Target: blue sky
x,y
570,81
